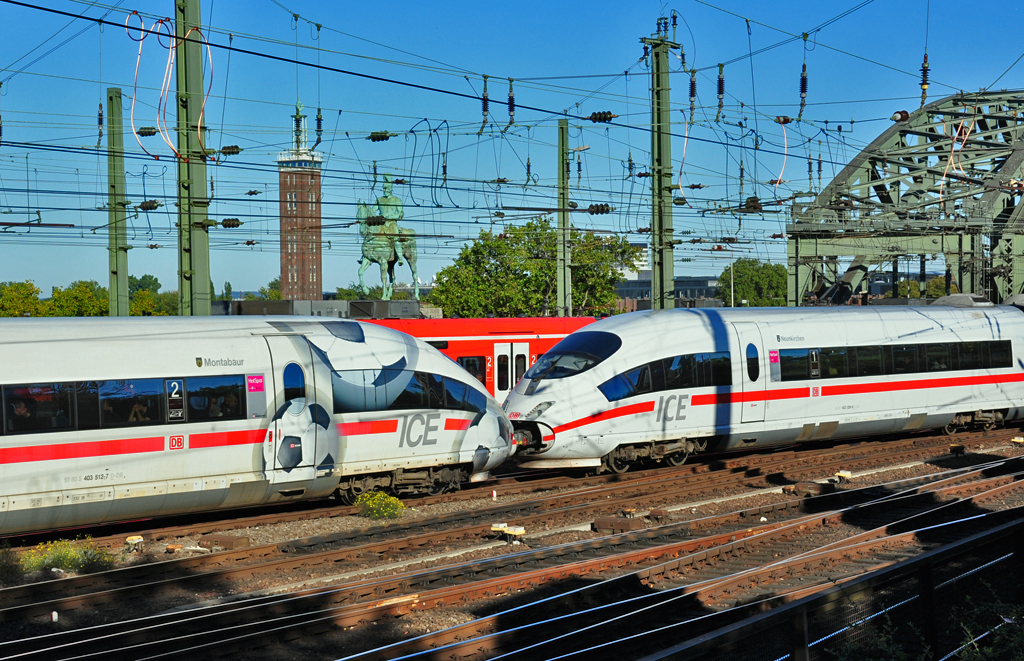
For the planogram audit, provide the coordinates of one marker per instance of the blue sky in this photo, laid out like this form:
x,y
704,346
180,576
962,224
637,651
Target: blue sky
x,y
863,67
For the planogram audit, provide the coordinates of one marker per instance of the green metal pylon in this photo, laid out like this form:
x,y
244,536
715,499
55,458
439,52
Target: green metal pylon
x,y
563,256
117,242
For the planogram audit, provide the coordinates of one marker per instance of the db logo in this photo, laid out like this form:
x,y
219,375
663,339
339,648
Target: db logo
x,y
815,391
177,442
513,416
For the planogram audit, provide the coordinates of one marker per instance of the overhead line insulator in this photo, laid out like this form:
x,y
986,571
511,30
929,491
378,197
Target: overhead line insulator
x,y
602,117
230,223
379,136
146,131
803,91
596,209
721,91
924,79
231,150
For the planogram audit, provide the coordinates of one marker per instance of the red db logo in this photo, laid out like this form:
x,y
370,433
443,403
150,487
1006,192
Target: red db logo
x,y
177,442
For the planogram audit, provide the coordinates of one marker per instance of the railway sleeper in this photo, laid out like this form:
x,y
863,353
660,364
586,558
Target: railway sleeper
x,y
404,482
673,452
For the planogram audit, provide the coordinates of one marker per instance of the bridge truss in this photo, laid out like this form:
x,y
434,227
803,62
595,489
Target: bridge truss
x,y
947,180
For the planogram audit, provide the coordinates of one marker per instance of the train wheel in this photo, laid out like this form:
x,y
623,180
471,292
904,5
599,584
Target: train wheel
x,y
950,429
989,426
677,459
616,465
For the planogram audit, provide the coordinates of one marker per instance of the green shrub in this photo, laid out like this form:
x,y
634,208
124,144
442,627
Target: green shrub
x,y
68,555
10,566
379,505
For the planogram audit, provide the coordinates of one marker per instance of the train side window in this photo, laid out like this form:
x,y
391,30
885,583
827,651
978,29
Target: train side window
x,y
475,365
904,359
833,363
294,382
971,355
87,404
657,369
721,368
1000,354
616,388
502,373
937,357
455,394
794,364
39,407
753,363
520,368
435,385
349,390
679,372
476,401
869,361
131,402
411,389
215,397
639,379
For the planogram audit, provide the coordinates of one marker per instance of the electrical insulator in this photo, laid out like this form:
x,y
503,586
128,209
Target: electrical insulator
x,y
679,201
319,128
146,131
99,120
511,106
696,186
230,223
924,79
646,52
803,91
485,108
253,192
602,117
819,168
810,171
900,116
693,93
444,167
632,165
399,181
231,150
643,174
149,205
379,136
567,169
778,236
782,119
595,209
153,246
251,242
298,124
527,169
573,205
721,91
579,170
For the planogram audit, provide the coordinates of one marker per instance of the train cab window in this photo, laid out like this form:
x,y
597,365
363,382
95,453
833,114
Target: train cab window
x,y
520,367
639,379
616,388
215,397
868,361
435,386
753,363
833,363
39,407
294,382
1000,354
475,365
679,372
937,357
131,402
408,391
502,373
794,364
578,352
904,359
476,401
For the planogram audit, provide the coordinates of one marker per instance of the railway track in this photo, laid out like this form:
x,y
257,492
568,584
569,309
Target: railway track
x,y
658,567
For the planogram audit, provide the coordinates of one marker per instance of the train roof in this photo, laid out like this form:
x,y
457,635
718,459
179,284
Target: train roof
x,y
496,326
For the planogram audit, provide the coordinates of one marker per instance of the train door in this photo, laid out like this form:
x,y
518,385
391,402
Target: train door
x,y
754,375
510,364
293,426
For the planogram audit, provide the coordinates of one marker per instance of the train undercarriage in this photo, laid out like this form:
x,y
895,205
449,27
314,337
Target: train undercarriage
x,y
431,481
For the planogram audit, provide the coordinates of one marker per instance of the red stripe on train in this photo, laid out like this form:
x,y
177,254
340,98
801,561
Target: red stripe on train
x,y
81,450
640,407
861,388
756,396
225,438
456,424
372,427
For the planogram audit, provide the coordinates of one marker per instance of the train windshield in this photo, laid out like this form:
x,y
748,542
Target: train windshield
x,y
577,353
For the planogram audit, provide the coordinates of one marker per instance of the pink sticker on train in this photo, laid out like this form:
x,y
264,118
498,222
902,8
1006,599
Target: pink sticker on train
x,y
773,356
255,383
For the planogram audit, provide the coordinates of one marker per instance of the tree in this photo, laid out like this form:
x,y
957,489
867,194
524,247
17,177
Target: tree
x,y
934,288
144,304
513,273
166,303
82,298
227,295
272,292
20,299
147,282
760,285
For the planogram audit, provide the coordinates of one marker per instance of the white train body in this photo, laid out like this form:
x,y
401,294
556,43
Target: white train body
x,y
659,385
109,419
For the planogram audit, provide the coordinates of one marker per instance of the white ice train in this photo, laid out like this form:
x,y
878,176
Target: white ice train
x,y
107,419
660,385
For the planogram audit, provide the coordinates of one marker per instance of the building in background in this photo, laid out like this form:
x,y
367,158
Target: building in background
x,y
299,176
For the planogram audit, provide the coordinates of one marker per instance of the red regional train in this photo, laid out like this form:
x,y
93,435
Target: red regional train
x,y
497,351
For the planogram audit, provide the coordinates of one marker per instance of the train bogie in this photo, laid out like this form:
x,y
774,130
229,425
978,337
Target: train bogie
x,y
661,385
116,419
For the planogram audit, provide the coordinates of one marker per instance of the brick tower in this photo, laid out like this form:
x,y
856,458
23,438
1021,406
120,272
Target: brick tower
x,y
299,175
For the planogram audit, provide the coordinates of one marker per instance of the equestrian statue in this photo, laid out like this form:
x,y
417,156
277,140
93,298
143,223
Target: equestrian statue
x,y
384,242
